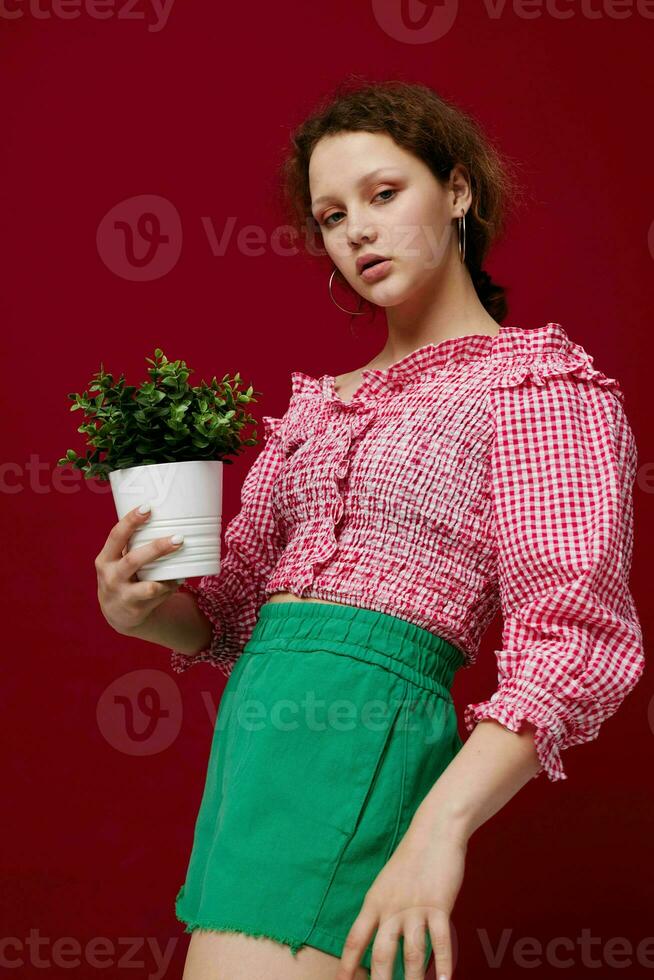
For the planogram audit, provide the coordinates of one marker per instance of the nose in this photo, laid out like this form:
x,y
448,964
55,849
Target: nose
x,y
357,234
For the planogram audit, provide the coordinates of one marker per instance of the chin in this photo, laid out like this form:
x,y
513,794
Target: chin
x,y
388,293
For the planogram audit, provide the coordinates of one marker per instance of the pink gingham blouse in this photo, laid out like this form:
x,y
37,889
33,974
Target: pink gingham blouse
x,y
476,474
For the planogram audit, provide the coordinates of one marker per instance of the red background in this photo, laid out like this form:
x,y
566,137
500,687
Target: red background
x,y
96,839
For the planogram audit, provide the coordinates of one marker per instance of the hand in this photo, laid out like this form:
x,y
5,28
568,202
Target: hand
x,y
126,603
415,891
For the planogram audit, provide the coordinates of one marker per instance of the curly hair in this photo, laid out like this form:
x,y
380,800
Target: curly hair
x,y
434,130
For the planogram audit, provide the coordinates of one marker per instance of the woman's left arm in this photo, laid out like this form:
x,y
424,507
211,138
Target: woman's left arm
x,y
490,768
418,886
562,472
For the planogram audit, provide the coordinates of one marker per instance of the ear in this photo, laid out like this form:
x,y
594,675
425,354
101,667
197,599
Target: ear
x,y
461,189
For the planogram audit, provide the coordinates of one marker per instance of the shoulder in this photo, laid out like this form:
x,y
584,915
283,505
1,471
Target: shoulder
x,y
548,395
304,408
542,355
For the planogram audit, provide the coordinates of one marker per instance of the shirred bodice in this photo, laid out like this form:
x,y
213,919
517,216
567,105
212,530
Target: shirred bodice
x,y
480,473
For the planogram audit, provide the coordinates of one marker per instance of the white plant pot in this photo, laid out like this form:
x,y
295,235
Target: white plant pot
x,y
186,498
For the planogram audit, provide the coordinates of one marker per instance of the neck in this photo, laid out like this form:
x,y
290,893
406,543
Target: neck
x,y
446,306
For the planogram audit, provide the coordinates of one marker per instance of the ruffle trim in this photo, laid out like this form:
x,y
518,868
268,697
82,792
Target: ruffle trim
x,y
326,542
518,354
271,427
513,718
214,653
309,549
304,384
573,361
303,417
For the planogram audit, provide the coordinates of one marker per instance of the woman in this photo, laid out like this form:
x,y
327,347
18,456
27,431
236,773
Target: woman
x,y
468,467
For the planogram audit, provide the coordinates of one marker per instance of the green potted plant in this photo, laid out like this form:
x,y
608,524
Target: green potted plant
x,y
165,442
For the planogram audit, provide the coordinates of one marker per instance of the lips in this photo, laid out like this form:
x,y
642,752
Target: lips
x,y
366,261
377,271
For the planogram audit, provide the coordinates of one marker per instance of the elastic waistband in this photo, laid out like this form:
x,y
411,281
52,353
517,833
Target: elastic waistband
x,y
417,654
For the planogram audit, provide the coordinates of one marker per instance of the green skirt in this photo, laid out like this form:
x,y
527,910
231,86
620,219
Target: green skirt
x,y
334,724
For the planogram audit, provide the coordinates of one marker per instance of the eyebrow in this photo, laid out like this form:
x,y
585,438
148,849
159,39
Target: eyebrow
x,y
360,182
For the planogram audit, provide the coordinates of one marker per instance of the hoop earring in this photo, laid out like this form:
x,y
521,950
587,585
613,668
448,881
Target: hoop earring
x,y
462,236
351,312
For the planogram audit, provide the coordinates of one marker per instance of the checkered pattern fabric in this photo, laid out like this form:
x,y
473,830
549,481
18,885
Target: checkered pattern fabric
x,y
480,474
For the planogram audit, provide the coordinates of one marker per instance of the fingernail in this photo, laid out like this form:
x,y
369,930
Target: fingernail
x,y
144,508
177,538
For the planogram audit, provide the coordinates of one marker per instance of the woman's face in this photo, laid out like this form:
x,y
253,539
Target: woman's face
x,y
369,195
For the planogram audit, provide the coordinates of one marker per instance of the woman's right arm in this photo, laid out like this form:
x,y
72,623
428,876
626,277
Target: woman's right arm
x,y
177,623
254,543
212,620
148,610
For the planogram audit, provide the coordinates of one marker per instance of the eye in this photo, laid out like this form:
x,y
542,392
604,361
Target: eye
x,y
387,190
330,216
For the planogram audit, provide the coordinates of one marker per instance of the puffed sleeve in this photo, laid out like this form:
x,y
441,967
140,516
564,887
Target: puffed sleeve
x,y
253,544
561,476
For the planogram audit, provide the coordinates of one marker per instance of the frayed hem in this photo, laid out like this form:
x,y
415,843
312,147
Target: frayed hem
x,y
192,925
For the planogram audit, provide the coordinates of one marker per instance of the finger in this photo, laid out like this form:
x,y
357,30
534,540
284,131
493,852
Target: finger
x,y
415,946
148,591
135,578
384,951
135,559
439,932
119,535
360,934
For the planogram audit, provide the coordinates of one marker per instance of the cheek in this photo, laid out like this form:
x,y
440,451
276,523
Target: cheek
x,y
336,246
425,244
422,234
